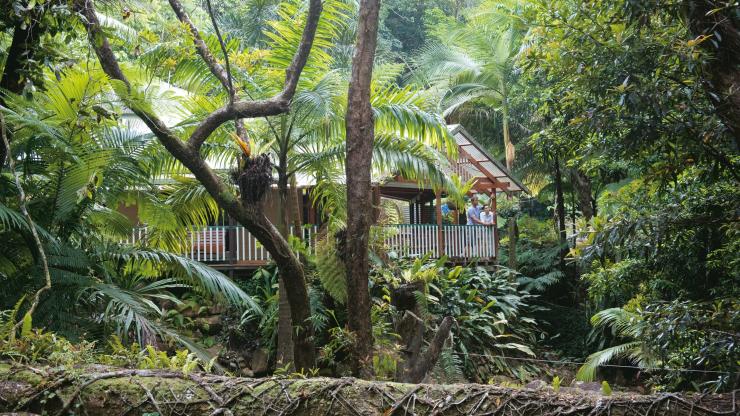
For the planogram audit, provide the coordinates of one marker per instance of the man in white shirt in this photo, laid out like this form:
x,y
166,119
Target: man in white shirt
x,y
486,217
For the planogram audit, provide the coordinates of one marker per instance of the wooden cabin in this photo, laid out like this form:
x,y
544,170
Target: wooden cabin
x,y
421,228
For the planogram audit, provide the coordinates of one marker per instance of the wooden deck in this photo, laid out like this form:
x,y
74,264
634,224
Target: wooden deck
x,y
227,247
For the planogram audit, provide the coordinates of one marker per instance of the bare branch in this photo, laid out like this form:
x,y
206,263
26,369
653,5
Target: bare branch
x,y
188,156
232,90
278,104
239,109
293,73
201,48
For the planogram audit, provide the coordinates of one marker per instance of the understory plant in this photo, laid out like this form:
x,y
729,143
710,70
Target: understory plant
x,y
680,344
493,314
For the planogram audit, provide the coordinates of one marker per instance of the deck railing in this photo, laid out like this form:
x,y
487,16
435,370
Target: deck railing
x,y
226,244
460,241
236,245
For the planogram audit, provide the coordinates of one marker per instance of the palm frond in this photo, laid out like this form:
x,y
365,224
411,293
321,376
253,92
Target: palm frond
x,y
588,370
207,280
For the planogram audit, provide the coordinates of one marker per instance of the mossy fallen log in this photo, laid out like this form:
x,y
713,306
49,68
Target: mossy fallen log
x,y
99,391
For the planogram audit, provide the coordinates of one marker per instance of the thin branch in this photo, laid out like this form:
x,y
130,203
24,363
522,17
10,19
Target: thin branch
x,y
293,73
29,220
279,103
223,75
241,131
232,91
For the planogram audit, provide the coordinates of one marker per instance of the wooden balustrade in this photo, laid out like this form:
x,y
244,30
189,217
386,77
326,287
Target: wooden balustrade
x,y
464,242
236,245
225,244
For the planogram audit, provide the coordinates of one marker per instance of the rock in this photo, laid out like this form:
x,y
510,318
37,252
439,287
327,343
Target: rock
x,y
260,362
213,319
242,362
214,351
216,310
228,359
590,386
536,385
210,324
189,312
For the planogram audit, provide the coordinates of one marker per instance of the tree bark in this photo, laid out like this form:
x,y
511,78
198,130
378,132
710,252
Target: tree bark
x,y
360,135
417,369
508,144
97,392
513,231
722,24
21,50
582,185
560,208
285,326
250,214
296,208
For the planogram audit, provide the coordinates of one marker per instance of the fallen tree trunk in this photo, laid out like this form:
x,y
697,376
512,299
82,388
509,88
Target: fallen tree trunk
x,y
104,391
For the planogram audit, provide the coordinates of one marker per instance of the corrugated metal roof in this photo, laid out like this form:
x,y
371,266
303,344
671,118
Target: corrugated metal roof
x,y
480,164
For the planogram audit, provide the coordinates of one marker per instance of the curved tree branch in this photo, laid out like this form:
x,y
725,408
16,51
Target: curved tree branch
x,y
278,104
247,214
223,75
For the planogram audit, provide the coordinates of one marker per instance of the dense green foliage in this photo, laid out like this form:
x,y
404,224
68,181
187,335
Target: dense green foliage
x,y
627,251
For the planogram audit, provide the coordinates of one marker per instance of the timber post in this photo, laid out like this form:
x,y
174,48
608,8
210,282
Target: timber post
x,y
440,230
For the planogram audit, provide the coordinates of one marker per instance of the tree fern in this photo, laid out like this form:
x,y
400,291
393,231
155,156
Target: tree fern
x,y
330,270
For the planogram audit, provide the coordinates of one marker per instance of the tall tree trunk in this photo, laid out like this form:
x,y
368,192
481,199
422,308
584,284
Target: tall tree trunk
x,y
513,229
296,208
285,326
582,185
560,208
508,145
291,275
722,24
360,136
573,213
20,52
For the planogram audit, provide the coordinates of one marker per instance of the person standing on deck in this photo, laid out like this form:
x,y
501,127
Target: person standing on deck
x,y
474,212
486,216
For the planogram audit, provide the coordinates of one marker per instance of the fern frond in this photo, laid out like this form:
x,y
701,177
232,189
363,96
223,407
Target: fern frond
x,y
330,270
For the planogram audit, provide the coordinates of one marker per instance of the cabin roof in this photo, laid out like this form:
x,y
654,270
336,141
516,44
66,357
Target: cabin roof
x,y
477,163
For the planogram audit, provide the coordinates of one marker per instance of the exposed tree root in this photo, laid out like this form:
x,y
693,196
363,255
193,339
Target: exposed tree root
x,y
95,391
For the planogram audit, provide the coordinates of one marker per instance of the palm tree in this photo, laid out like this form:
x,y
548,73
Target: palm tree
x,y
310,139
78,163
474,63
